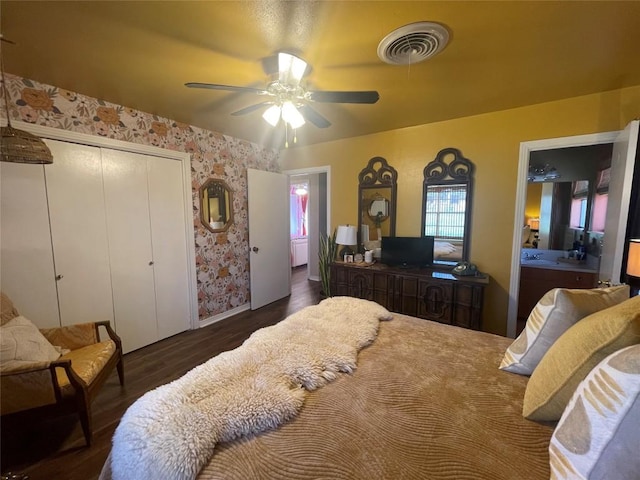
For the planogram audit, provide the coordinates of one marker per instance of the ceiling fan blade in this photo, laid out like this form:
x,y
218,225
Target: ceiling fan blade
x,y
250,108
323,96
231,88
313,116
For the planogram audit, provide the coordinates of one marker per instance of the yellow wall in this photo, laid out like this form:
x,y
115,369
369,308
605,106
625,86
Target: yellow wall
x,y
532,204
492,142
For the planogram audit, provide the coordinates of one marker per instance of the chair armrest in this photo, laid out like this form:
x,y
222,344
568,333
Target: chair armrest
x,y
110,331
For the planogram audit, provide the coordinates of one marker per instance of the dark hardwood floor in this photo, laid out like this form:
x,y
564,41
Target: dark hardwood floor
x,y
56,449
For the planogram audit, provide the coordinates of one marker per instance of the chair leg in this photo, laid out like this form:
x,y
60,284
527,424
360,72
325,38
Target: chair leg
x,y
84,412
120,368
85,421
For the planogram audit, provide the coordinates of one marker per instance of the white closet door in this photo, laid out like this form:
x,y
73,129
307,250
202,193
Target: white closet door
x,y
26,259
79,233
127,207
168,222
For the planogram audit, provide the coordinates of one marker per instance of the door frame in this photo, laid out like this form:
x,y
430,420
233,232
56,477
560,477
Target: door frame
x,y
315,170
521,194
184,158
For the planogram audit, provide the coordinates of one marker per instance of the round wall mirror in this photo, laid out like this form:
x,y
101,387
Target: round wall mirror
x,y
216,205
379,208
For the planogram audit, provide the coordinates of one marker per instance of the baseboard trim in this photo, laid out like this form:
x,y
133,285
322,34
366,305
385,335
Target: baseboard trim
x,y
221,316
315,278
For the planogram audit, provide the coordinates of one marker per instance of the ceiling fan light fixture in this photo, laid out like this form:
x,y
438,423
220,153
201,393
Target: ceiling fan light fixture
x,y
291,69
272,115
291,115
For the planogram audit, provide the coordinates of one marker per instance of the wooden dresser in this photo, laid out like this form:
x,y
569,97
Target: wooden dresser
x,y
424,293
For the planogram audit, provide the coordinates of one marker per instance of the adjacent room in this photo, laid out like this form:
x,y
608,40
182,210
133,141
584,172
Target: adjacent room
x,y
320,239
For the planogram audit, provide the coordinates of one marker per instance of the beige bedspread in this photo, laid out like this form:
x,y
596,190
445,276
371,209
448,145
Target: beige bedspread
x,y
426,402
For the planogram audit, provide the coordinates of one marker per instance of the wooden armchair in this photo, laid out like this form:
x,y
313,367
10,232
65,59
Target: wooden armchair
x,y
68,384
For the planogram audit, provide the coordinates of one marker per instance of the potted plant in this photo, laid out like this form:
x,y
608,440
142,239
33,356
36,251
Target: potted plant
x,y
327,254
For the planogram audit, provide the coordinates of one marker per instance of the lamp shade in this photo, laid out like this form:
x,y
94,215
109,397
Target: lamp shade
x,y
633,259
534,223
347,235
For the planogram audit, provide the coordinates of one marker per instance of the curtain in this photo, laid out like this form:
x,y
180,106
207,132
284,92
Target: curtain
x,y
298,210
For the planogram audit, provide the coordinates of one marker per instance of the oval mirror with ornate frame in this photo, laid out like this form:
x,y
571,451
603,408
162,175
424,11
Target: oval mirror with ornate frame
x,y
376,201
446,205
216,205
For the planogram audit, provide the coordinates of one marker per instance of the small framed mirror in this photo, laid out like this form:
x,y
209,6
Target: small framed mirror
x,y
376,202
447,204
216,205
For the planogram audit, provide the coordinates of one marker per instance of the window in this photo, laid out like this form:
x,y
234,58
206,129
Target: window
x,y
445,211
599,212
578,213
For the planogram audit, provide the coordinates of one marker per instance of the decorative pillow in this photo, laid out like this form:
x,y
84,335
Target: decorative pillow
x,y
598,436
7,310
574,355
556,311
22,342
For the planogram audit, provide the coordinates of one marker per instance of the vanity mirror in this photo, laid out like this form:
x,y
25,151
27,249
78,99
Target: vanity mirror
x,y
376,202
447,204
216,205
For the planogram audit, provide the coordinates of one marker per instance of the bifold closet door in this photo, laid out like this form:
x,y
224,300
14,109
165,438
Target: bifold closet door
x,y
169,234
26,259
79,233
132,263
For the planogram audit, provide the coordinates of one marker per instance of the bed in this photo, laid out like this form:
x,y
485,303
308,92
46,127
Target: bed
x,y
426,401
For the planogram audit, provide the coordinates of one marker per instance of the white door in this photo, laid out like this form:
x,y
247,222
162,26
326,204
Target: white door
x,y
26,259
131,260
622,163
169,243
269,253
79,233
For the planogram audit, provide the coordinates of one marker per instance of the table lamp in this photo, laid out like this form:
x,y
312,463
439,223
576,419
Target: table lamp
x,y
633,266
347,235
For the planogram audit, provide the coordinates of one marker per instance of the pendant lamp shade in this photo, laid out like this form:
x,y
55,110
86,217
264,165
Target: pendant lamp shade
x,y
18,146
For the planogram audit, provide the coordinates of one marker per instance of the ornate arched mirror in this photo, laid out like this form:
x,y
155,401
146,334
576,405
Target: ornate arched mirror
x,y
447,204
376,202
216,205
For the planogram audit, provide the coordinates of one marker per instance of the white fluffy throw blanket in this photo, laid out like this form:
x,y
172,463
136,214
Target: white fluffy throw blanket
x,y
171,432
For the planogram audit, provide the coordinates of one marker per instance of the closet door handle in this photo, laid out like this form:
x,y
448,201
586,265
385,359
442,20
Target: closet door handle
x,y
59,277
151,262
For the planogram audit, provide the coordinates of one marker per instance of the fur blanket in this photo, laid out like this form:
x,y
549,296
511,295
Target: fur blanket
x,y
171,432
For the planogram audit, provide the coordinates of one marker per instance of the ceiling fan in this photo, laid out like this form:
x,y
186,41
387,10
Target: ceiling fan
x,y
289,100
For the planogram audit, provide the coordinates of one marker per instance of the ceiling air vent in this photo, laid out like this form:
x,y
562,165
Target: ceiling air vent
x,y
413,43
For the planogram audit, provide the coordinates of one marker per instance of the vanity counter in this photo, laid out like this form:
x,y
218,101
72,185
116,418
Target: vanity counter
x,y
557,265
554,260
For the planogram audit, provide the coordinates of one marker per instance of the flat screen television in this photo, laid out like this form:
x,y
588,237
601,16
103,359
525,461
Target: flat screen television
x,y
407,251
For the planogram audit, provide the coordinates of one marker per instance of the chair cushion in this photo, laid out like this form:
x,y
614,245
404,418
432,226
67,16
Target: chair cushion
x,y
22,343
557,310
575,354
87,362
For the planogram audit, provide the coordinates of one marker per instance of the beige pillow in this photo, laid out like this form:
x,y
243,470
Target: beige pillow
x,y
598,436
7,310
22,342
574,355
556,311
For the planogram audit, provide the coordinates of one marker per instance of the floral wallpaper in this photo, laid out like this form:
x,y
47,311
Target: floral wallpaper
x,y
222,260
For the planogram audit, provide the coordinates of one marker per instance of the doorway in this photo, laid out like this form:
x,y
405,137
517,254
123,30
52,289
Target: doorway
x,y
318,208
527,151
